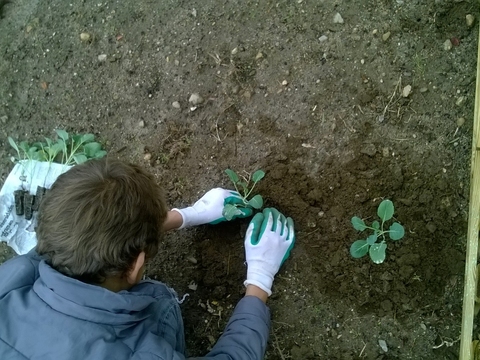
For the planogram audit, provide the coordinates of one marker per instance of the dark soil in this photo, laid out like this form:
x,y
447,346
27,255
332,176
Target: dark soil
x,y
327,122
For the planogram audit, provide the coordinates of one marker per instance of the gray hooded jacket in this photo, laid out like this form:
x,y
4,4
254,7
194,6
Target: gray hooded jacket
x,y
45,315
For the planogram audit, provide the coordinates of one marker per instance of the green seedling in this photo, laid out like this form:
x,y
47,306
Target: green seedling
x,y
77,149
66,149
375,244
244,186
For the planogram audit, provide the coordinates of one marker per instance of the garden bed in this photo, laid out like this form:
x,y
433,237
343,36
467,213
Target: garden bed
x,y
323,107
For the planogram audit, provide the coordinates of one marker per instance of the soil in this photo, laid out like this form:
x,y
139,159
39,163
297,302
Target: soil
x,y
322,107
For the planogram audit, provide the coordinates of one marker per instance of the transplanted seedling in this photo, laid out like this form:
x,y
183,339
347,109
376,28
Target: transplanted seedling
x,y
244,186
375,244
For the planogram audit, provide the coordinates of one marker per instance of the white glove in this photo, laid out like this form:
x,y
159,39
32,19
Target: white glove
x,y
208,210
268,241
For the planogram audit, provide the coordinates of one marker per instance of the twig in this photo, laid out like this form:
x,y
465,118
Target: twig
x,y
393,95
363,349
278,347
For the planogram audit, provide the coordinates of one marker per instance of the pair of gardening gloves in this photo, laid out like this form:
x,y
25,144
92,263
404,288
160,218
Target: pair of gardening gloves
x,y
268,241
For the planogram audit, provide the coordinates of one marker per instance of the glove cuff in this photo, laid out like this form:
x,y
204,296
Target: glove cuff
x,y
259,278
188,215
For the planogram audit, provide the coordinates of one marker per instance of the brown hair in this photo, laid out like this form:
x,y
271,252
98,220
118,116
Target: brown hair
x,y
98,217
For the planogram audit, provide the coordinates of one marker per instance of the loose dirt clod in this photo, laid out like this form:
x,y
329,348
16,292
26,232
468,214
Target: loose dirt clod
x,y
195,99
85,37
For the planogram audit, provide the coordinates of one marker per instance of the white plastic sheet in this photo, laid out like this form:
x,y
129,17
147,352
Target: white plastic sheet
x,y
15,230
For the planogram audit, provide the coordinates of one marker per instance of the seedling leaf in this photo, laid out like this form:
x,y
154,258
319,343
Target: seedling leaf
x,y
87,138
258,175
396,231
372,239
377,252
232,175
62,134
376,225
385,210
13,144
256,202
79,158
100,154
358,224
91,149
244,186
359,248
230,211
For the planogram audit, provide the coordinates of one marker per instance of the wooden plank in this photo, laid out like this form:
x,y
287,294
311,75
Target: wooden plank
x,y
470,286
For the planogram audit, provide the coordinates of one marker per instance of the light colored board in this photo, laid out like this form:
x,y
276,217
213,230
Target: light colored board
x,y
470,287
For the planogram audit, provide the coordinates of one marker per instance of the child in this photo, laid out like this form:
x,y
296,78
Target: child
x,y
78,295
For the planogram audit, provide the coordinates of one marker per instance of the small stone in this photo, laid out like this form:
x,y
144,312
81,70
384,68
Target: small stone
x,y
235,51
431,227
423,89
323,38
29,28
102,57
192,259
85,37
193,286
284,82
386,36
460,121
176,105
470,19
4,119
369,149
259,56
383,345
195,99
337,19
447,45
460,100
406,91
141,124
147,157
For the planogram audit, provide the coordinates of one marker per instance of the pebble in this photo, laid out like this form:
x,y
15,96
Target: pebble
x,y
423,89
147,157
406,91
85,37
460,121
337,19
460,100
176,105
195,99
259,55
192,259
4,119
383,345
323,38
141,124
447,45
369,149
102,57
235,51
284,82
386,36
470,19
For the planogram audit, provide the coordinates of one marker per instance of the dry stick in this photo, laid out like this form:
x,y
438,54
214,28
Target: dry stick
x,y
278,347
471,257
393,95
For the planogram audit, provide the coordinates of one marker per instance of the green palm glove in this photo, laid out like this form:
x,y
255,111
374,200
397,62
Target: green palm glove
x,y
209,209
268,241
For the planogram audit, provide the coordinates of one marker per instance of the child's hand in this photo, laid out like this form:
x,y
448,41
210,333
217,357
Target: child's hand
x,y
269,239
208,210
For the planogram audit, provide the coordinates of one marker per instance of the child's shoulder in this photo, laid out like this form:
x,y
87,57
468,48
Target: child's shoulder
x,y
19,272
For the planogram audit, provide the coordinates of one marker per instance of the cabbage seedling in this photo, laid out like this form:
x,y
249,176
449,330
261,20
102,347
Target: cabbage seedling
x,y
244,187
375,244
